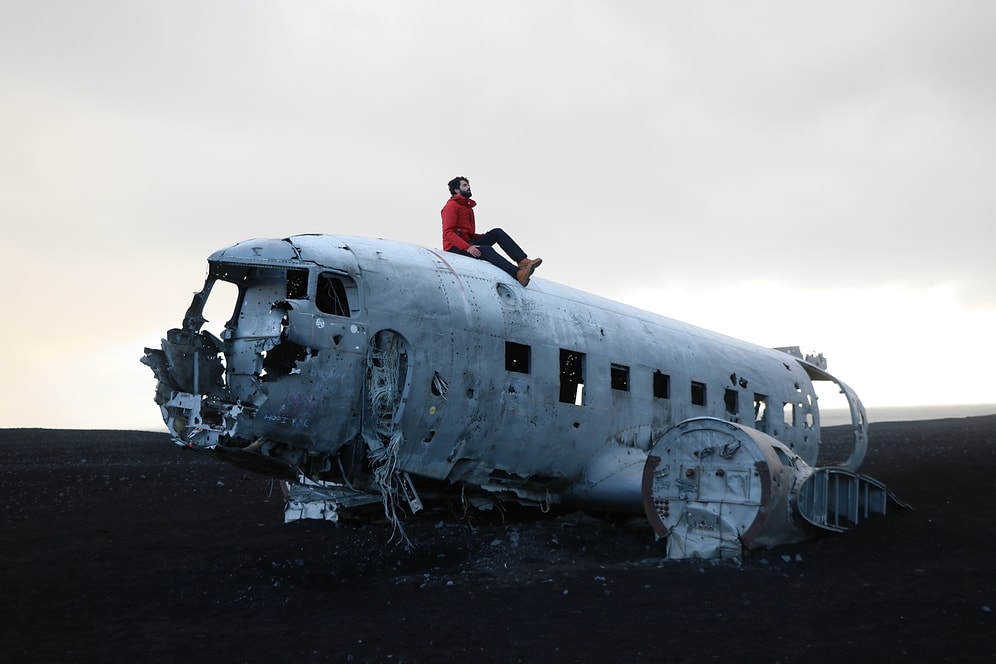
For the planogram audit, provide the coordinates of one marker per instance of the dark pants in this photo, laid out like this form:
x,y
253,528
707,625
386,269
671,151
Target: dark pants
x,y
507,244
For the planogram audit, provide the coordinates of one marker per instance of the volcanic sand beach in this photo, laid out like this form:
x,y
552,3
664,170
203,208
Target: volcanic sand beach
x,y
120,546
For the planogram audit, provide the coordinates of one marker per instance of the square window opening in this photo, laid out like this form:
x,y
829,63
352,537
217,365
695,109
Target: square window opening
x,y
698,393
732,399
297,284
517,357
620,377
333,294
760,411
571,377
662,385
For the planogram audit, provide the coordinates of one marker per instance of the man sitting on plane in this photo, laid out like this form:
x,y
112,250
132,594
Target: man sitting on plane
x,y
460,235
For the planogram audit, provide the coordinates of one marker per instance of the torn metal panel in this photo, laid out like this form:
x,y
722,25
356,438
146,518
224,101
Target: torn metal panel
x,y
307,499
376,373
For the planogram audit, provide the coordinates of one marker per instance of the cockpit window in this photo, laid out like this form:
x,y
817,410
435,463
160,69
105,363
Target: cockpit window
x,y
220,307
334,294
297,284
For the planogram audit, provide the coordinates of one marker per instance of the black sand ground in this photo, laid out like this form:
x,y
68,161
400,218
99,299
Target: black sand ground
x,y
119,546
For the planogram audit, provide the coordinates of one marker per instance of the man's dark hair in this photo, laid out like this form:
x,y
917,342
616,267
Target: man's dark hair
x,y
454,184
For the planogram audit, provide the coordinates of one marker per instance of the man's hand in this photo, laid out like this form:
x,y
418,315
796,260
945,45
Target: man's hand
x,y
474,251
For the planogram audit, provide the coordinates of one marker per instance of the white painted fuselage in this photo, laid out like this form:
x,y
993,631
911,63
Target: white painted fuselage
x,y
400,370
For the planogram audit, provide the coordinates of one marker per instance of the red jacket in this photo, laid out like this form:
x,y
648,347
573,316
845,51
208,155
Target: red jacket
x,y
459,230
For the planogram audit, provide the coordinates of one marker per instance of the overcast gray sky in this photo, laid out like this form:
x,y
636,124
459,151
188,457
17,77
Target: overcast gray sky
x,y
791,173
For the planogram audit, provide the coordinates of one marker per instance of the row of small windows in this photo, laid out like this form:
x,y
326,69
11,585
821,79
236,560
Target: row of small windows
x,y
518,359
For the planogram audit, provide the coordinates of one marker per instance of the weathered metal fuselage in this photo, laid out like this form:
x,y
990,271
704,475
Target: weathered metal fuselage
x,y
393,372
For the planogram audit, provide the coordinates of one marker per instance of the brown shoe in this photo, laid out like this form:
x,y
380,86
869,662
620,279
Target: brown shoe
x,y
534,262
531,264
522,276
526,268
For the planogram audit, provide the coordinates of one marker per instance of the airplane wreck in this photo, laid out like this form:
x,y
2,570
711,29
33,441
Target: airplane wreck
x,y
373,375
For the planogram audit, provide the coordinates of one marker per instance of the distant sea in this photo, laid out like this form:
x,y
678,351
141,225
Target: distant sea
x,y
834,416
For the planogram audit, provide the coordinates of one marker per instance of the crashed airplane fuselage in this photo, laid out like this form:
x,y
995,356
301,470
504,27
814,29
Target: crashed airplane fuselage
x,y
367,372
